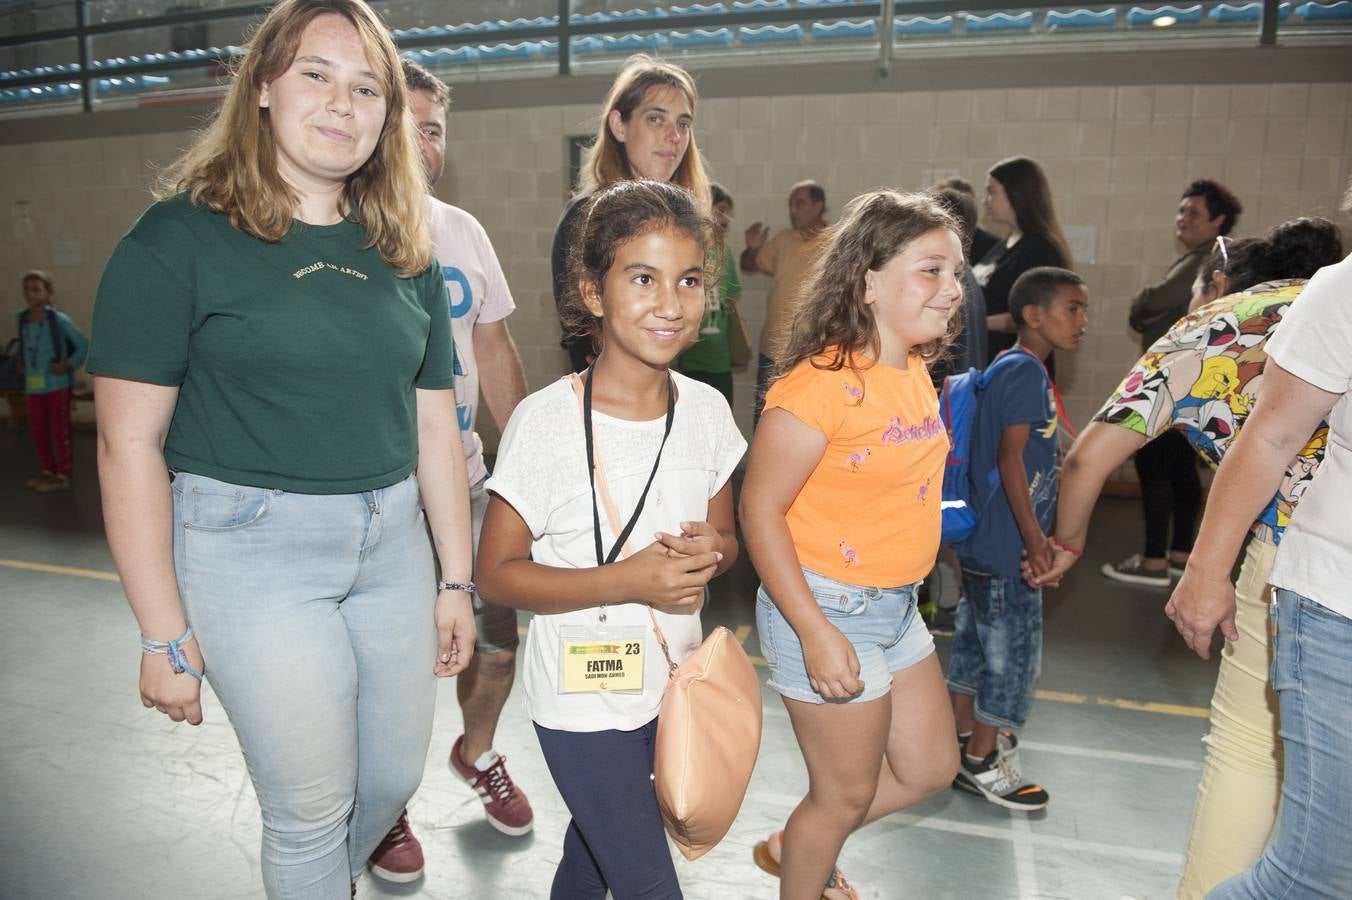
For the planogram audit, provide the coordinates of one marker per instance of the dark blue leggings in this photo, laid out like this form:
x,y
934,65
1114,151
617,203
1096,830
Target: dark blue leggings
x,y
615,841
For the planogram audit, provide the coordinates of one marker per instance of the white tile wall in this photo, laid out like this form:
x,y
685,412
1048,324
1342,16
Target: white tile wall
x,y
1117,157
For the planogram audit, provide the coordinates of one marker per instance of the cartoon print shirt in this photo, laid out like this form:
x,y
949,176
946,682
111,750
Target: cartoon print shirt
x,y
1202,377
869,512
477,292
1019,393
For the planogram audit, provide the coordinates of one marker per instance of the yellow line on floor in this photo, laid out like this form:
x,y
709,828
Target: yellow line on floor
x,y
742,632
58,570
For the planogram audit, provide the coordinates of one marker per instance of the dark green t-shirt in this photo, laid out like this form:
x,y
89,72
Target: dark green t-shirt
x,y
296,361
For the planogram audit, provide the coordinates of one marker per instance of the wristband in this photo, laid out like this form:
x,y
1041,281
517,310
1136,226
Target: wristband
x,y
178,660
1059,545
466,586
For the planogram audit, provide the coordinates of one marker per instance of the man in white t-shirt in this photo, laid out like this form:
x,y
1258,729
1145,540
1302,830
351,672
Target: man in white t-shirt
x,y
485,356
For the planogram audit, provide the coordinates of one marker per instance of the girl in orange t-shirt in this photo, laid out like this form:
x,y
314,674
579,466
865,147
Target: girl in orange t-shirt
x,y
840,511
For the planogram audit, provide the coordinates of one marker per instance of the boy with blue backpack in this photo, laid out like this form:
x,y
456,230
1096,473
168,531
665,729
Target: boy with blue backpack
x,y
1003,422
51,348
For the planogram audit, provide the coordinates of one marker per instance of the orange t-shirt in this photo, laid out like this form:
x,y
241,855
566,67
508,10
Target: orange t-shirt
x,y
869,513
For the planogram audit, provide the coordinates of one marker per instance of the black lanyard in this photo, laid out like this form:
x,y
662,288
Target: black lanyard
x,y
602,558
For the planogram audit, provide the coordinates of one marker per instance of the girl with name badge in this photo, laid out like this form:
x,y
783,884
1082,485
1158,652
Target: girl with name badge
x,y
841,514
610,510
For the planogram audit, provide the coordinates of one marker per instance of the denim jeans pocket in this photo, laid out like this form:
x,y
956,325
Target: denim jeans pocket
x,y
210,505
986,594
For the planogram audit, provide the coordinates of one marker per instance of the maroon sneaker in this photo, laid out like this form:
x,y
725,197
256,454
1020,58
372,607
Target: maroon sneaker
x,y
399,857
507,808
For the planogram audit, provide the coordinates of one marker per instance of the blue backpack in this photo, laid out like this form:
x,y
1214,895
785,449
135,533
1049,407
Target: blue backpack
x,y
959,399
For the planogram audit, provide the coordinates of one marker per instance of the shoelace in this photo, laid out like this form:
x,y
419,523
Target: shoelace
x,y
399,833
499,782
1010,774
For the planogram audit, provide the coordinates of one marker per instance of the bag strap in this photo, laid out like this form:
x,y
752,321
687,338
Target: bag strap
x,y
613,516
1056,392
58,339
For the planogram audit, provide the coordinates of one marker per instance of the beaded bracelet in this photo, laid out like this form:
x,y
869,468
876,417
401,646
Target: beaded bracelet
x,y
466,586
178,660
1059,545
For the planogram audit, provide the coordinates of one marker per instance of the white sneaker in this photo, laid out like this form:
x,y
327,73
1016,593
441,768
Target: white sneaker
x,y
1000,783
1130,571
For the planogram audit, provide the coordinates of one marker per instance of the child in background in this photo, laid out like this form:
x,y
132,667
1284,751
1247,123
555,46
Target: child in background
x,y
841,515
51,348
664,450
997,644
710,359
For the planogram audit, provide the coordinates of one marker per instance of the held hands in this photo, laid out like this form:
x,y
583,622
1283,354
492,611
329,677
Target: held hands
x,y
454,616
666,577
832,664
178,696
1040,571
756,235
1199,603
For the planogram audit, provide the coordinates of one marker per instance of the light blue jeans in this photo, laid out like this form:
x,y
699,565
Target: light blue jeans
x,y
314,617
1312,673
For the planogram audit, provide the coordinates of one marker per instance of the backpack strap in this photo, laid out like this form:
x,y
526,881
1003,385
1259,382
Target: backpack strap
x,y
1056,392
58,337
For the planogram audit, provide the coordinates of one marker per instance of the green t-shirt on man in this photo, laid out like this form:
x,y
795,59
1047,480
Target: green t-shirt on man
x,y
296,361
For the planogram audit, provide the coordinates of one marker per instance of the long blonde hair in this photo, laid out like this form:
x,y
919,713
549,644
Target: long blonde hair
x,y
831,313
232,166
606,162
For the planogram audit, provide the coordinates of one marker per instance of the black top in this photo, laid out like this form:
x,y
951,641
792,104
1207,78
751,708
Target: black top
x,y
1031,251
578,347
982,242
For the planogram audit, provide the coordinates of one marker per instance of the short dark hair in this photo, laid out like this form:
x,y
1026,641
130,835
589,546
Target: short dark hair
x,y
957,183
39,275
1037,287
719,194
962,207
814,190
1219,199
419,79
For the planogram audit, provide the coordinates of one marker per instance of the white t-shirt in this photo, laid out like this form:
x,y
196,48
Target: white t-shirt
x,y
541,471
478,293
1312,343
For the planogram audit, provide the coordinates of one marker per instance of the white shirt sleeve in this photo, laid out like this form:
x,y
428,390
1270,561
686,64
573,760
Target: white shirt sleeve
x,y
498,303
1311,340
527,462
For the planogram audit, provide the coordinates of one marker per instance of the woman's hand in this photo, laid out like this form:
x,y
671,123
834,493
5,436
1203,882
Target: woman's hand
x,y
832,664
1200,602
667,579
177,695
454,616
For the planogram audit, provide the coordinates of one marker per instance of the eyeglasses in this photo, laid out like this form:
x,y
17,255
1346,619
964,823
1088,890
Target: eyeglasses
x,y
1221,241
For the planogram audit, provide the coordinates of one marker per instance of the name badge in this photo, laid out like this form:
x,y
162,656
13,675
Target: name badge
x,y
601,659
36,382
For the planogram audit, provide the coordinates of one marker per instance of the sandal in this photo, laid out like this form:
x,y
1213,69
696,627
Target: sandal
x,y
837,888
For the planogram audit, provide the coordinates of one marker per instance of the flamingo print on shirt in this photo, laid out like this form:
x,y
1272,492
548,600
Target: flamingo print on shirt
x,y
857,459
851,556
923,494
854,391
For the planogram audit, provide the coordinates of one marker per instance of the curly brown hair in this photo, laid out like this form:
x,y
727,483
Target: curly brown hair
x,y
617,214
832,315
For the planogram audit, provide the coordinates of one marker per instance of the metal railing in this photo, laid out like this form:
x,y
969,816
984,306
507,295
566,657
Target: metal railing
x,y
562,30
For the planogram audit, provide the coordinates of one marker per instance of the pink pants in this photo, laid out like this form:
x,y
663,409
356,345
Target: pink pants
x,y
49,426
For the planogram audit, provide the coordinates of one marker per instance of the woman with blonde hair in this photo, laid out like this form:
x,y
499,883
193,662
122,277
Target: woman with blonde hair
x,y
273,357
647,130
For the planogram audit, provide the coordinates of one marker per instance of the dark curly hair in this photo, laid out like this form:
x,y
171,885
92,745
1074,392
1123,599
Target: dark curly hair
x,y
1219,200
613,216
1294,249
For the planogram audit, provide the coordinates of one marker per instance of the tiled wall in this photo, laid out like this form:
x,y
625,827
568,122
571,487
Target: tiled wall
x,y
1116,156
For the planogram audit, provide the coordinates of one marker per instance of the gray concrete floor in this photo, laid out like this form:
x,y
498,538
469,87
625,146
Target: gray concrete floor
x,y
100,798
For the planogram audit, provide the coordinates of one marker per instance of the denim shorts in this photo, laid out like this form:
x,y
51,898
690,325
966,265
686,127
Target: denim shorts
x,y
997,647
882,624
